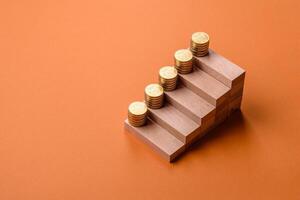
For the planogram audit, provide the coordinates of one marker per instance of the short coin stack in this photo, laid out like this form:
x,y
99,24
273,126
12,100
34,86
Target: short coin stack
x,y
183,61
200,44
137,113
154,96
168,78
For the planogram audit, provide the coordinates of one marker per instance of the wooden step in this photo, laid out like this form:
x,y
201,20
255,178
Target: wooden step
x,y
235,104
221,69
175,122
163,142
191,104
224,71
210,89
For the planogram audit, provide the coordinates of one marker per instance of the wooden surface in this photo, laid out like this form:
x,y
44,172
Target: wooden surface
x,y
69,69
158,138
198,105
190,104
213,91
221,68
175,122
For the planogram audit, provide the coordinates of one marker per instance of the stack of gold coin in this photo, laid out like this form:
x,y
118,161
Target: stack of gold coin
x,y
168,78
200,44
183,61
137,113
154,96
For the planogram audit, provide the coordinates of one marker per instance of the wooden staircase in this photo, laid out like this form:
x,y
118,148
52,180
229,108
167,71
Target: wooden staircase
x,y
202,100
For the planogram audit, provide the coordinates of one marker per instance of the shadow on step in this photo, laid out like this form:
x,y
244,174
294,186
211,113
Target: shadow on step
x,y
235,124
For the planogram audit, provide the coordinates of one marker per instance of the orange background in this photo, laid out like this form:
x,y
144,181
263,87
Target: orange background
x,y
69,69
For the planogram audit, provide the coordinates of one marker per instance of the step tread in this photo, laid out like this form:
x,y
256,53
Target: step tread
x,y
175,121
159,138
220,68
190,101
205,85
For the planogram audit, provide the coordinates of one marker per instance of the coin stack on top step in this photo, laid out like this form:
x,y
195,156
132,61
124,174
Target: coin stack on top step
x,y
154,96
168,78
183,61
200,44
137,113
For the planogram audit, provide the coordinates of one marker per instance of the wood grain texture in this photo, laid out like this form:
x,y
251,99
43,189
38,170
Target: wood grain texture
x,y
238,86
235,104
220,68
209,125
202,100
210,89
158,138
175,122
236,99
191,104
222,113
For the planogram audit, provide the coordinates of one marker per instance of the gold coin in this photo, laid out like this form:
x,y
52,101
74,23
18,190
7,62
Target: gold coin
x,y
137,108
170,88
200,54
154,90
168,72
200,37
185,71
136,117
199,45
193,50
183,55
165,83
154,100
137,121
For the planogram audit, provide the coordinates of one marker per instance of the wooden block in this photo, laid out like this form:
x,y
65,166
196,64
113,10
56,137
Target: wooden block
x,y
222,114
221,69
191,104
175,122
164,143
235,104
237,94
237,88
235,99
204,130
210,89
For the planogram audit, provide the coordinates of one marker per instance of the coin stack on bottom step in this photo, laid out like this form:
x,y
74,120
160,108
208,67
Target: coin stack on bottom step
x,y
183,61
199,44
168,78
137,113
154,96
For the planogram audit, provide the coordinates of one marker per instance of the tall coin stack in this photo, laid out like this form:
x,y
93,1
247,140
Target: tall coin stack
x,y
183,61
154,96
168,78
200,44
137,113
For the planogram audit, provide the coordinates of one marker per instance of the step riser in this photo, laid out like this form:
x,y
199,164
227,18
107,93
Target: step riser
x,y
191,104
204,130
221,69
183,109
183,138
203,94
235,104
152,135
201,121
168,127
178,124
202,100
210,89
198,91
237,88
